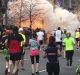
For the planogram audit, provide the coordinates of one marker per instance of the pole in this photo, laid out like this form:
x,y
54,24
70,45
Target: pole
x,y
5,16
1,12
70,4
63,4
20,17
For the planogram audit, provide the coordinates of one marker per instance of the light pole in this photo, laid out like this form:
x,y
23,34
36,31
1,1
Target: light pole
x,y
5,17
20,16
70,4
1,12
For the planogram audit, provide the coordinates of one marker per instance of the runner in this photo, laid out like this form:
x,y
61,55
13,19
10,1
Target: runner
x,y
7,31
58,38
77,36
14,42
63,37
21,32
69,48
52,54
40,37
34,54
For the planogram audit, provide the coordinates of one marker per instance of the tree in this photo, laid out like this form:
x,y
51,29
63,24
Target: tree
x,y
26,10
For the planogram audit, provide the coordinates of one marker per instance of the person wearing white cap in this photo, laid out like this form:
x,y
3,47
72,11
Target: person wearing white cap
x,y
21,32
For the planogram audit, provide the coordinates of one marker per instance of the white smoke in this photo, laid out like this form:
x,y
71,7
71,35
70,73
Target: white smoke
x,y
60,17
57,17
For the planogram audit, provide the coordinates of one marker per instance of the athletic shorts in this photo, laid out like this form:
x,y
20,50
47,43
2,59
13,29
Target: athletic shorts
x,y
77,39
40,42
15,56
59,44
33,59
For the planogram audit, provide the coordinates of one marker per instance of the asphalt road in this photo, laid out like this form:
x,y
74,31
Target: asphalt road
x,y
64,70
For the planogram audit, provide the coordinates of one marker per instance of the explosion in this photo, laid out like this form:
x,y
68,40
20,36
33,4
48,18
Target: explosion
x,y
52,17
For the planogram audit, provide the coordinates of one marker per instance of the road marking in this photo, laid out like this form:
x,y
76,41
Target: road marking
x,y
39,71
42,71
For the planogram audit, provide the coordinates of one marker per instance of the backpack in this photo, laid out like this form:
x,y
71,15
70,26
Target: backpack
x,y
14,46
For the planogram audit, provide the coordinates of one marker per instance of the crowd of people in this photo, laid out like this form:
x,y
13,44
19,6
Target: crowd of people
x,y
14,40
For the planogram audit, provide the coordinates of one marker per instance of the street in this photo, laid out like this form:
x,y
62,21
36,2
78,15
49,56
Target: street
x,y
64,70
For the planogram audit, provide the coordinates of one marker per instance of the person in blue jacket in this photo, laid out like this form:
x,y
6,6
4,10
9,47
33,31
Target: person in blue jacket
x,y
52,54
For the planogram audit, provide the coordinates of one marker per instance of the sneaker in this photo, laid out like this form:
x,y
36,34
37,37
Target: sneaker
x,y
33,74
37,73
22,69
6,71
16,73
67,63
70,66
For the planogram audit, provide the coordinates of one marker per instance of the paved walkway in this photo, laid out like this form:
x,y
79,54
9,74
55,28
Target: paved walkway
x,y
64,70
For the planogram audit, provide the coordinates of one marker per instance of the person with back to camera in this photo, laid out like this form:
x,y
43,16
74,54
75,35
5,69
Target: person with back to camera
x,y
69,43
52,54
34,54
58,38
14,47
21,32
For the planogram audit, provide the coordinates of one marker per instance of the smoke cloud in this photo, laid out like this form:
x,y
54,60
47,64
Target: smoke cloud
x,y
60,17
57,17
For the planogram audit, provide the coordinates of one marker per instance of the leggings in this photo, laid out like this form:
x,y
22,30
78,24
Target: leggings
x,y
69,55
53,68
33,59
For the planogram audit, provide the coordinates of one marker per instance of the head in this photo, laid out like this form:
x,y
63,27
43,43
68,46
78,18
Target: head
x,y
8,30
68,34
77,30
15,29
20,30
59,28
34,36
65,31
51,40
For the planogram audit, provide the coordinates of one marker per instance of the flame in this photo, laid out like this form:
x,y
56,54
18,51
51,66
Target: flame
x,y
36,24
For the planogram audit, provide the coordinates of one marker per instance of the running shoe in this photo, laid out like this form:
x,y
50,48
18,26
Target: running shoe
x,y
6,71
37,73
33,74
